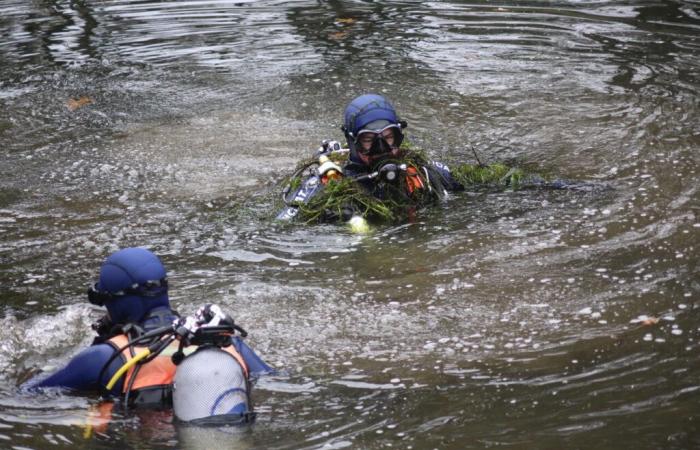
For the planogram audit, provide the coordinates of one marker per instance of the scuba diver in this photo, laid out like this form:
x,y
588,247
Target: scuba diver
x,y
147,355
380,176
374,135
375,159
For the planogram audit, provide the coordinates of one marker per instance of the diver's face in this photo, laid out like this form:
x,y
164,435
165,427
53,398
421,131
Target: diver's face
x,y
369,143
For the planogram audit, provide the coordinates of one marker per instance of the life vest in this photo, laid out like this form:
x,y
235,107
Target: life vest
x,y
154,379
413,180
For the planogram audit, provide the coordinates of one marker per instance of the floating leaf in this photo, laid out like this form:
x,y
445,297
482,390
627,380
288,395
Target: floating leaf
x,y
649,321
338,36
346,20
645,321
75,103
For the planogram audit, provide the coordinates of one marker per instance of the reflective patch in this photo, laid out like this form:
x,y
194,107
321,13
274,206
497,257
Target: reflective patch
x,y
440,165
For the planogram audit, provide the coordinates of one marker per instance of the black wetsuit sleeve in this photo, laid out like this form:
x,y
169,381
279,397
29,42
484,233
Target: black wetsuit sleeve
x,y
444,177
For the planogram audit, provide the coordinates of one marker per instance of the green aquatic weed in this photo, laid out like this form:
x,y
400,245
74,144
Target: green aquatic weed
x,y
339,197
496,175
391,202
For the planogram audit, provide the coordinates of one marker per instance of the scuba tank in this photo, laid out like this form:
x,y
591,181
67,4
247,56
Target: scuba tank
x,y
211,385
210,378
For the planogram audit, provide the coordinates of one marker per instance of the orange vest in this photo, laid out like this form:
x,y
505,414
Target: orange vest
x,y
413,180
158,372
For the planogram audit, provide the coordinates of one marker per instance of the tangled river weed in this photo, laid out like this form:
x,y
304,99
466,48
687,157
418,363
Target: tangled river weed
x,y
496,175
344,198
391,202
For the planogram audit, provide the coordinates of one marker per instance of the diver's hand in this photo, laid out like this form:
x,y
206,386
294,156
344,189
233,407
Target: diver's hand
x,y
213,316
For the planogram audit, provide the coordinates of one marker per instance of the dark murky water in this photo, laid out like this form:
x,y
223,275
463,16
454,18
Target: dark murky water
x,y
511,319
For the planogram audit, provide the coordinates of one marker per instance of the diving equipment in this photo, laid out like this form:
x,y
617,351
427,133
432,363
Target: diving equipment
x,y
370,113
314,175
209,377
132,282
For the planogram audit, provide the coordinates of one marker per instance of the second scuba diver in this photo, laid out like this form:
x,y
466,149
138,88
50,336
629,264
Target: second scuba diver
x,y
376,160
143,334
374,134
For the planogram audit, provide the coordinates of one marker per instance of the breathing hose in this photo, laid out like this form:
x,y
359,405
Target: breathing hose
x,y
129,364
154,349
151,334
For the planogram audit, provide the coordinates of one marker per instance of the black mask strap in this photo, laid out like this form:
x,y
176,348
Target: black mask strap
x,y
151,288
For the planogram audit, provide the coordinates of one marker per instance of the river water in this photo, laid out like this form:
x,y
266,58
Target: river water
x,y
527,319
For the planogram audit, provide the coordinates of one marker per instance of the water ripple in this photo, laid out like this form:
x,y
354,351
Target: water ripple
x,y
497,318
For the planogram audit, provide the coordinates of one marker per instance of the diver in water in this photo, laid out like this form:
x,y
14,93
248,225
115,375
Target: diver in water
x,y
376,160
133,287
394,180
374,135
